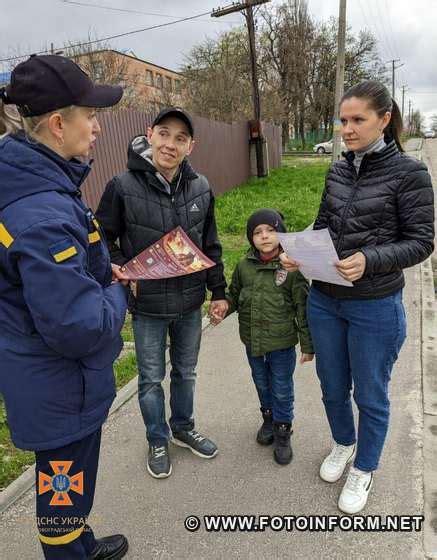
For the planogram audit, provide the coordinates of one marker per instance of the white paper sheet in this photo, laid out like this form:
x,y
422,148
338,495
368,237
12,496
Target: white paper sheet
x,y
315,253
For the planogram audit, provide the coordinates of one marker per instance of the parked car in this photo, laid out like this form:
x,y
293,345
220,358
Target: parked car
x,y
429,134
326,147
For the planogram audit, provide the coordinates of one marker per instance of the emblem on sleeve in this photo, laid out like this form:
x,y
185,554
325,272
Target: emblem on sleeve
x,y
63,250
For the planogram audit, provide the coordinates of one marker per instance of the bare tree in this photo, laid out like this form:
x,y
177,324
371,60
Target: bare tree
x,y
217,79
105,65
434,122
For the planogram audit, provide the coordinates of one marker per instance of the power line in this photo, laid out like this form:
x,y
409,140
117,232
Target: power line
x,y
372,29
388,12
385,32
125,10
380,30
135,31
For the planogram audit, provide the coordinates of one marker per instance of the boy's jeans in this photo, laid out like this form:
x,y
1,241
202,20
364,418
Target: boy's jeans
x,y
356,344
150,343
273,377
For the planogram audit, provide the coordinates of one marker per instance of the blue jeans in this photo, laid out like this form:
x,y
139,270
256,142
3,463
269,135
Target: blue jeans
x,y
273,377
150,335
356,344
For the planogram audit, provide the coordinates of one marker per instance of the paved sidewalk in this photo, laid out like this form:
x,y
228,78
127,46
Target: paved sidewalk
x,y
243,479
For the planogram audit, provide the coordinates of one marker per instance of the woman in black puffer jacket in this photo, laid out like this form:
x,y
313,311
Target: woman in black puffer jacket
x,y
378,206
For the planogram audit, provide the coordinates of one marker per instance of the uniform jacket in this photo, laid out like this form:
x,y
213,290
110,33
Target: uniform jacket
x,y
271,305
138,207
386,211
60,316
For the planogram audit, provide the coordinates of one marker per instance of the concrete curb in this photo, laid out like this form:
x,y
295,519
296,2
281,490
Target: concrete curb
x,y
27,480
429,384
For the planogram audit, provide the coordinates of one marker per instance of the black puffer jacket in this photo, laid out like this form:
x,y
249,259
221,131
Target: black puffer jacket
x,y
138,207
386,212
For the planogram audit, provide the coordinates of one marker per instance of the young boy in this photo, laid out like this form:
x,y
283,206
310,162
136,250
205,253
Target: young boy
x,y
271,306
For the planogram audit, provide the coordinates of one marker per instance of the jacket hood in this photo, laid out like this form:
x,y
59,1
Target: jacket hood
x,y
27,168
139,155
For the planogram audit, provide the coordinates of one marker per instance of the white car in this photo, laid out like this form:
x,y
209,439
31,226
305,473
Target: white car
x,y
429,134
326,147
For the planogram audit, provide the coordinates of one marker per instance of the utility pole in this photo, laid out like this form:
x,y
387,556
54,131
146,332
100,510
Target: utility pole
x,y
339,80
393,80
409,116
256,134
403,103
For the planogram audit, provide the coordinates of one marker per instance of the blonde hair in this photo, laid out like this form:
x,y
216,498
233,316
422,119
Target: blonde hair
x,y
11,121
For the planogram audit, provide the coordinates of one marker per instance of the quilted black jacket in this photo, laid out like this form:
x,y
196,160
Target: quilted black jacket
x,y
138,207
386,211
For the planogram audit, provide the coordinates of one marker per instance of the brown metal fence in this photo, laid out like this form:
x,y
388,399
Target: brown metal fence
x,y
221,152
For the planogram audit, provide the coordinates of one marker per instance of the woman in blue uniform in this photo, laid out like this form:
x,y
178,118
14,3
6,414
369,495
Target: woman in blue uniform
x,y
62,306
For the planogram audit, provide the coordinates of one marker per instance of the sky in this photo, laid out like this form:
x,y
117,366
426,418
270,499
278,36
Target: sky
x,y
404,31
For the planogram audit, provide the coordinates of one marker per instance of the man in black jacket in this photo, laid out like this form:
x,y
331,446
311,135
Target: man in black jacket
x,y
158,192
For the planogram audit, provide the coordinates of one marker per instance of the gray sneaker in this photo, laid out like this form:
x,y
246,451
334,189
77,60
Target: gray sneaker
x,y
199,445
158,461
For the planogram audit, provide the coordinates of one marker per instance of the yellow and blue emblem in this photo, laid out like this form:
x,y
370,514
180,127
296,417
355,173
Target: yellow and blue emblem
x,y
63,250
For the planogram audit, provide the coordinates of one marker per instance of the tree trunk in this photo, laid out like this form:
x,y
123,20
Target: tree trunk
x,y
285,134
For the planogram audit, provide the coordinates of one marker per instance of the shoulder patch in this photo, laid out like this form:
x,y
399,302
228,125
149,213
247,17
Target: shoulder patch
x,y
63,250
6,238
94,237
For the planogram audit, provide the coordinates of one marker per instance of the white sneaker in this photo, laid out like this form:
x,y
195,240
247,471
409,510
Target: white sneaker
x,y
355,492
334,464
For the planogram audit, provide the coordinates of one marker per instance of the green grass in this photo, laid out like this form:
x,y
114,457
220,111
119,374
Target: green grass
x,y
294,189
125,369
126,333
13,461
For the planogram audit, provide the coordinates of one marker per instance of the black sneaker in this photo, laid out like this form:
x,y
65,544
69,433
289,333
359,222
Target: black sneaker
x,y
158,461
265,433
110,548
282,452
199,445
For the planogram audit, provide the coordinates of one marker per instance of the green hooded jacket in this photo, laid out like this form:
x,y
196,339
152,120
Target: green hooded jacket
x,y
271,305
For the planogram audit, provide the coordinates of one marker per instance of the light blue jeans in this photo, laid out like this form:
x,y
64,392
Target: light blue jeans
x,y
150,343
356,344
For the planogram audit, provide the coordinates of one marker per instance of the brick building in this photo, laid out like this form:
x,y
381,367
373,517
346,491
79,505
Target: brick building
x,y
146,85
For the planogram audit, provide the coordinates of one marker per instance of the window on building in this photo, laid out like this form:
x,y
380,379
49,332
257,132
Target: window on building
x,y
149,78
177,84
159,81
168,83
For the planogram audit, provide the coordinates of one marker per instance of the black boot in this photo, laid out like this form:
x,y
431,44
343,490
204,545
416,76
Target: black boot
x,y
282,452
265,433
110,548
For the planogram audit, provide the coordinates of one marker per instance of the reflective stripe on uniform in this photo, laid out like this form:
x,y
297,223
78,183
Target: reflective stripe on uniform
x,y
64,539
66,254
94,237
6,238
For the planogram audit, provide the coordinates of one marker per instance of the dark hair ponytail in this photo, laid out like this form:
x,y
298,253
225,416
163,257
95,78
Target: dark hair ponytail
x,y
380,101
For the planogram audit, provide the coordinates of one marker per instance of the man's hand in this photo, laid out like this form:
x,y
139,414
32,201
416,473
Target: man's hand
x,y
118,276
288,264
217,311
306,358
353,267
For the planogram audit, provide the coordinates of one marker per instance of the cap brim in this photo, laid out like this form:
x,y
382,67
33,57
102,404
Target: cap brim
x,y
101,96
178,115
